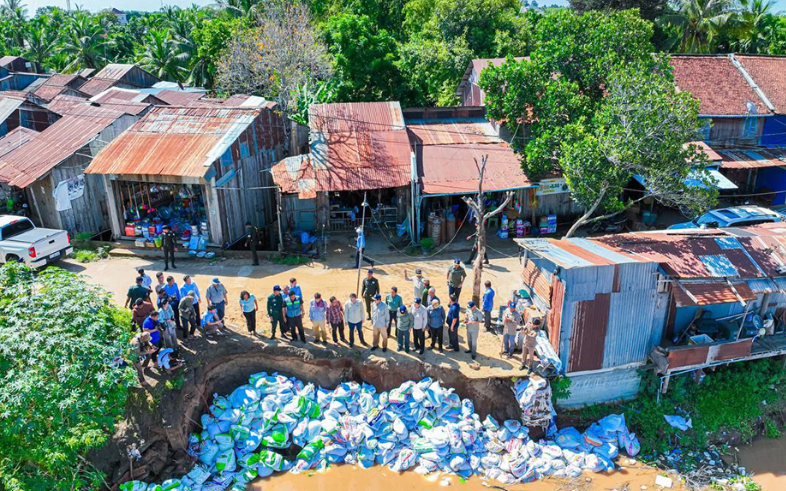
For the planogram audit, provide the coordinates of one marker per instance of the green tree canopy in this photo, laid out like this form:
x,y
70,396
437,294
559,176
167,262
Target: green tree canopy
x,y
60,395
594,105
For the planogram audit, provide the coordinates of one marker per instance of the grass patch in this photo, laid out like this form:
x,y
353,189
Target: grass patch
x,y
174,383
289,259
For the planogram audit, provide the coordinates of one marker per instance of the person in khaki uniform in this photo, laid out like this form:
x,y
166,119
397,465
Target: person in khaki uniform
x,y
511,320
380,317
473,319
530,333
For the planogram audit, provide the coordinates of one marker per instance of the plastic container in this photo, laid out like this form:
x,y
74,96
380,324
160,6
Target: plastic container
x,y
130,231
159,228
157,241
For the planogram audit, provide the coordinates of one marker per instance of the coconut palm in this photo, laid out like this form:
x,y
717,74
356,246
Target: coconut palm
x,y
41,42
698,23
84,42
240,8
13,8
752,25
161,56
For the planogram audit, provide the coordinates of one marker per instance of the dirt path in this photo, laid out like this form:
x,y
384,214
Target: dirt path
x,y
334,276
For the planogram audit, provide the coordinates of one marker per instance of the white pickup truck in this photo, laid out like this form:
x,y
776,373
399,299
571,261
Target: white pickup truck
x,y
21,241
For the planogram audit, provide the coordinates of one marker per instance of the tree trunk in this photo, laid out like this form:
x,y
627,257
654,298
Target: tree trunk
x,y
477,267
578,223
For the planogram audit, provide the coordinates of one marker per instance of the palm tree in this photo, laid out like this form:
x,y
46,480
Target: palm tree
x,y
84,42
15,12
41,43
240,8
752,23
161,56
14,8
699,22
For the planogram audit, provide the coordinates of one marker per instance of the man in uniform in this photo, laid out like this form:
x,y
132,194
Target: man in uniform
x,y
168,246
275,306
252,241
455,277
370,289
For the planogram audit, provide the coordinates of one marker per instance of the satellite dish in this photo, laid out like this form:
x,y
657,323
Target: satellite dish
x,y
751,107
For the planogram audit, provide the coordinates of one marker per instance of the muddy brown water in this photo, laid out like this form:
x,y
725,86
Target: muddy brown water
x,y
380,478
766,459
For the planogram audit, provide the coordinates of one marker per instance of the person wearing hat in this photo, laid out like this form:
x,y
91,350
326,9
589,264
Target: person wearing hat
x,y
275,312
136,292
405,322
456,276
454,311
380,318
143,352
353,313
360,247
473,319
369,291
293,316
188,313
216,295
436,323
168,240
530,332
147,281
419,325
190,286
418,282
511,320
252,241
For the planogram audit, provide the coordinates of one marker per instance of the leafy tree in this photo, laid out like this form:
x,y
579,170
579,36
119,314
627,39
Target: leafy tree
x,y
698,23
161,58
319,92
597,107
84,42
59,394
477,21
41,43
211,39
432,69
649,9
363,58
752,22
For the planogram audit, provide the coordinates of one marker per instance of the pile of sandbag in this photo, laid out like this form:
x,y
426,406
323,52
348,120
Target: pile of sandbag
x,y
534,397
419,425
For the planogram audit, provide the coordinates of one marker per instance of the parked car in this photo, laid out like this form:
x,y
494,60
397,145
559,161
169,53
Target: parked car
x,y
737,216
21,241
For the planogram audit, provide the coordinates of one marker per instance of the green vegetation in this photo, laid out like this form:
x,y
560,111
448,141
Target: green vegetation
x,y
289,259
60,395
733,398
613,112
86,251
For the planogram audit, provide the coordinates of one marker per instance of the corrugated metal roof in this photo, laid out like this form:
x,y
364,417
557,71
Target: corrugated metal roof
x,y
295,175
63,104
8,105
179,97
452,132
577,252
711,293
173,141
16,138
712,155
752,158
359,146
25,165
95,85
114,71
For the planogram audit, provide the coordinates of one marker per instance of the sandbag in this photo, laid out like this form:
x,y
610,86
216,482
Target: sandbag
x,y
225,462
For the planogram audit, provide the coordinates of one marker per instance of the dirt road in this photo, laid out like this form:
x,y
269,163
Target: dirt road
x,y
333,276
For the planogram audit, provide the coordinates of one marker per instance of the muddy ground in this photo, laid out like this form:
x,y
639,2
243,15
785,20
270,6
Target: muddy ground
x,y
165,410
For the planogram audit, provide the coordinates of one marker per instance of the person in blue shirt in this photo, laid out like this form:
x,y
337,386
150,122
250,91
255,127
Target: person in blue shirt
x,y
151,326
173,292
293,315
294,287
487,306
190,286
360,245
211,322
453,322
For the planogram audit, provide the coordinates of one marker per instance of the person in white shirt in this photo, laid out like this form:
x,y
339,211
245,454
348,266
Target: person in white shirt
x,y
353,314
420,314
417,282
147,281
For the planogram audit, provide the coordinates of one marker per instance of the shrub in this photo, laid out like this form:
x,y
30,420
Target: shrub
x,y
60,395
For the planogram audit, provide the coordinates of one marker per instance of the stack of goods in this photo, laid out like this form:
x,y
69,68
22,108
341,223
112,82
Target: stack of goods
x,y
548,224
184,214
419,426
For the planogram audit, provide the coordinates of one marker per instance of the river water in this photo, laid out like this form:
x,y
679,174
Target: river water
x,y
378,478
766,459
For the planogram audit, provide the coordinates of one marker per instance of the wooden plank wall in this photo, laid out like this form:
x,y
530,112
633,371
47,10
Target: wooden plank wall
x,y
90,212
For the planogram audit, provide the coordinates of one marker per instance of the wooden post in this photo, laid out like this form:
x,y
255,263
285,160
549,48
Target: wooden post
x,y
278,214
360,251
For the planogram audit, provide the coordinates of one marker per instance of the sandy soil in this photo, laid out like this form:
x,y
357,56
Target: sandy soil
x,y
334,276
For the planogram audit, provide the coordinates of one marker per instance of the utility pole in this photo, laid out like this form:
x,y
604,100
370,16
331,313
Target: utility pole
x,y
360,250
478,206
